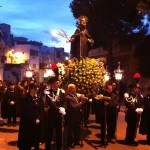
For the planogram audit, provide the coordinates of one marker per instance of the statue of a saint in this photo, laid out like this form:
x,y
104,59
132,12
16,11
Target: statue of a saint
x,y
81,41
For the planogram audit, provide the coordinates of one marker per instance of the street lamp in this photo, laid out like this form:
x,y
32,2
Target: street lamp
x,y
29,73
118,76
118,73
107,75
48,73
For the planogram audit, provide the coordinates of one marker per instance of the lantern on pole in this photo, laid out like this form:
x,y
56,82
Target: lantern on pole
x,y
48,73
118,73
29,73
107,75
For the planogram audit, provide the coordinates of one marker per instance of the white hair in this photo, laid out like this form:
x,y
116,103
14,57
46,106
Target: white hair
x,y
71,86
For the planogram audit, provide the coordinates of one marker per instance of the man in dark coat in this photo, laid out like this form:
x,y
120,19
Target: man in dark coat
x,y
10,101
81,41
55,105
108,116
73,116
133,101
30,120
145,118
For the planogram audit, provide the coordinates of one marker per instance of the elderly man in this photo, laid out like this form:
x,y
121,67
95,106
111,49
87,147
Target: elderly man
x,y
73,115
108,117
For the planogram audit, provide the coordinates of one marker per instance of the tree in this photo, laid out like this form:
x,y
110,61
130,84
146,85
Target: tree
x,y
142,53
109,19
143,7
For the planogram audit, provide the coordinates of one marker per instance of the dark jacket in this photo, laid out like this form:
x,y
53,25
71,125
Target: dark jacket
x,y
29,131
132,102
73,112
7,108
52,117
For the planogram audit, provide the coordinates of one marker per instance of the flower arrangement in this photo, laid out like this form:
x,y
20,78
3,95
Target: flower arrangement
x,y
87,74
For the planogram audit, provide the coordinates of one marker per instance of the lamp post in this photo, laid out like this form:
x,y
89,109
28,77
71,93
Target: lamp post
x,y
29,73
118,77
48,73
118,73
107,75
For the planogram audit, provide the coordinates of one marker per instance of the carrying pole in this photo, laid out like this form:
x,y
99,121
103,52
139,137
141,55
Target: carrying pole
x,y
105,126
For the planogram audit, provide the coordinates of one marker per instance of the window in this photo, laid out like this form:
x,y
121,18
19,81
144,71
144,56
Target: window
x,y
33,52
58,54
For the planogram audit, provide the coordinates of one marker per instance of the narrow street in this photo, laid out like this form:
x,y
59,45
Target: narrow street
x,y
8,137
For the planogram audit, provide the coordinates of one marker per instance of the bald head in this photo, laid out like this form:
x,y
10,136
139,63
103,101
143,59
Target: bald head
x,y
72,88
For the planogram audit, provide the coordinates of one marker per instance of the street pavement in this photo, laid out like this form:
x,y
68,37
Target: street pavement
x,y
91,141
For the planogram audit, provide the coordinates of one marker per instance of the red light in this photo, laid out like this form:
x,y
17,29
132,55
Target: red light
x,y
54,66
137,76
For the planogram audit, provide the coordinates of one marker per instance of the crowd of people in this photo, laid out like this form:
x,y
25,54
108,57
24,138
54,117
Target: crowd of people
x,y
46,107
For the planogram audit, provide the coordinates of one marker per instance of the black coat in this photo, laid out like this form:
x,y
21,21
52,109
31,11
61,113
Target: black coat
x,y
110,109
73,112
53,112
51,118
131,105
145,118
29,131
7,108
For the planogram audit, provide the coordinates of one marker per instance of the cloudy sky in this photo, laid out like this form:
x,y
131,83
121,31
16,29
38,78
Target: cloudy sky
x,y
39,20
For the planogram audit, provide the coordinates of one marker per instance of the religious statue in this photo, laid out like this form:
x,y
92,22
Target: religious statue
x,y
81,41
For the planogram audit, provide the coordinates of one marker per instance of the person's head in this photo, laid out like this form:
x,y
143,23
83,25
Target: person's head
x,y
24,83
109,88
11,85
134,89
114,86
54,82
72,88
83,20
33,88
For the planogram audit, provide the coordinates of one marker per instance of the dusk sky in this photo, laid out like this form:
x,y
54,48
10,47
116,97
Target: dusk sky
x,y
37,20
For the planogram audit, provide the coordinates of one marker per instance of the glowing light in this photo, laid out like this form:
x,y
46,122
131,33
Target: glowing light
x,y
107,77
54,33
48,72
118,73
29,73
66,58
